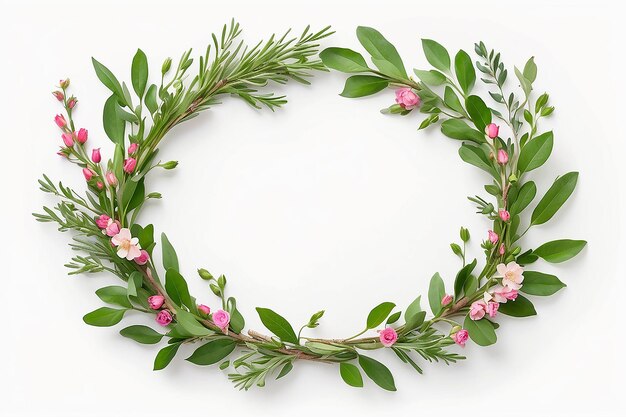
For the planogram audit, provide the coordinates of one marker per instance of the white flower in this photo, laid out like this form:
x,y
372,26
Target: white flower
x,y
127,246
512,275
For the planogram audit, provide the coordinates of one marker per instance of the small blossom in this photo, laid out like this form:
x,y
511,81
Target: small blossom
x,y
492,308
60,121
88,174
388,336
460,337
103,221
59,95
156,301
143,258
407,99
501,294
446,299
64,83
82,135
127,246
204,309
502,249
96,157
111,178
477,310
72,102
100,185
492,130
133,148
512,275
129,165
221,319
503,157
164,317
68,139
504,215
493,237
113,228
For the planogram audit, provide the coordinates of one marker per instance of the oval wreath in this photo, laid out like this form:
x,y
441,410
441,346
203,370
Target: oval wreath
x,y
109,237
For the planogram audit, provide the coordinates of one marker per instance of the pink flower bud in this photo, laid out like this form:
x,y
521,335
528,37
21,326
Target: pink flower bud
x,y
103,221
221,319
503,157
82,135
88,173
492,130
68,139
113,228
133,148
460,337
388,336
446,299
60,121
164,317
492,308
477,310
95,155
72,102
64,83
204,309
502,250
504,215
493,237
156,301
111,178
100,185
59,95
143,258
407,99
129,165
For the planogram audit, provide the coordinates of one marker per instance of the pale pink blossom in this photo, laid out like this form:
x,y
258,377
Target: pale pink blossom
x,y
156,301
460,337
82,135
512,275
492,130
100,185
96,157
103,221
60,121
407,99
68,139
478,310
503,294
127,246
446,299
129,165
59,95
221,319
88,174
503,157
492,308
504,215
164,317
502,249
143,258
493,237
204,309
388,336
111,178
132,149
113,228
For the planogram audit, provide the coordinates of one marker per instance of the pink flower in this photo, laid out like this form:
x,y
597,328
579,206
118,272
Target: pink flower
x,y
503,157
446,299
100,185
156,301
71,102
59,95
502,249
133,148
103,221
95,155
113,228
492,308
68,139
129,165
204,309
60,121
492,130
111,178
512,275
493,237
407,99
503,294
221,319
388,336
127,246
82,135
460,337
64,83
478,310
88,173
504,215
164,317
143,258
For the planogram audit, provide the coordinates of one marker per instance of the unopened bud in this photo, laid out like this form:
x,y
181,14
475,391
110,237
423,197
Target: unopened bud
x,y
166,66
204,274
170,165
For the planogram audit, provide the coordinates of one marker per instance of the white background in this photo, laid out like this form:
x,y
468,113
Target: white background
x,y
324,204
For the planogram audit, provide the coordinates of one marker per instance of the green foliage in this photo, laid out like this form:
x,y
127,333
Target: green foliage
x,y
538,283
212,352
104,317
556,196
363,85
560,250
379,314
436,291
481,331
521,307
142,334
377,372
384,54
344,60
351,374
278,325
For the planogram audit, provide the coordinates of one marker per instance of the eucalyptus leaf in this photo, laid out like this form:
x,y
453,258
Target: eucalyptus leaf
x,y
536,152
170,259
465,72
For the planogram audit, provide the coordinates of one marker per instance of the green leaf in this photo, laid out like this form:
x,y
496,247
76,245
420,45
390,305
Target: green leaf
x,y
436,55
536,152
394,317
177,288
384,54
458,129
560,250
431,77
521,307
135,281
461,277
170,259
474,155
379,314
104,317
436,291
165,356
530,70
377,372
139,72
278,325
480,331
538,283
142,334
113,125
414,315
114,295
108,79
556,196
451,100
465,72
525,196
190,323
285,370
363,85
212,352
344,60
478,112
151,99
351,374
524,82
237,322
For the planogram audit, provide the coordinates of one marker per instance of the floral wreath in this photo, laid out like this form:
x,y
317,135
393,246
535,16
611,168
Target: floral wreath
x,y
109,237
